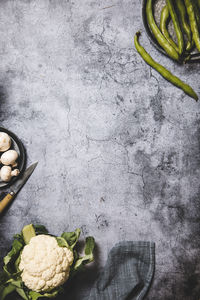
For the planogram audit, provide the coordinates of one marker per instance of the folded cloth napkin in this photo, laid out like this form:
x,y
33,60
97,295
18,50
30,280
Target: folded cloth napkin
x,y
128,272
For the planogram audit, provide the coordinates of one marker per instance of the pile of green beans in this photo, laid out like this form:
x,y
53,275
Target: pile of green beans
x,y
185,16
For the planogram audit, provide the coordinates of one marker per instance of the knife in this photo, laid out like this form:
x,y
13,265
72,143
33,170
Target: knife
x,y
16,187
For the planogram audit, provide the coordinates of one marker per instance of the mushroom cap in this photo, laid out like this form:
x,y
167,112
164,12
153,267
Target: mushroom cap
x,y
6,173
5,141
9,157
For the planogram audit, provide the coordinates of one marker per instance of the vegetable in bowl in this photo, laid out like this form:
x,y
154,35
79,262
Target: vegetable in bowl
x,y
39,264
184,15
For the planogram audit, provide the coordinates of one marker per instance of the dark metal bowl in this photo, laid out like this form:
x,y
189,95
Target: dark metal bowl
x,y
194,58
18,146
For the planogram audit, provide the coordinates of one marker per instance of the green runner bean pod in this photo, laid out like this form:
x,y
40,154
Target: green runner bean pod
x,y
163,72
164,18
193,23
157,33
185,25
175,20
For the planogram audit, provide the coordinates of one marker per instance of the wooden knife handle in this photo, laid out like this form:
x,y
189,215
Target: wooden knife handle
x,y
6,200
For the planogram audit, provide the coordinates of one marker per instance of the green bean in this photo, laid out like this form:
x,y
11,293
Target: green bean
x,y
198,3
197,12
157,33
163,72
185,25
193,23
164,18
179,34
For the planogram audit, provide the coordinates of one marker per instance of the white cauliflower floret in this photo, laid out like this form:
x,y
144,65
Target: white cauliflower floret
x,y
44,264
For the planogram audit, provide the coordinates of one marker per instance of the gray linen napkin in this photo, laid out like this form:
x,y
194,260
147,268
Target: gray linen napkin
x,y
128,272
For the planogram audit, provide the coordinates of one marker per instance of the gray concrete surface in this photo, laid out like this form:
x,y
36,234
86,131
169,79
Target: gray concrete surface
x,y
117,145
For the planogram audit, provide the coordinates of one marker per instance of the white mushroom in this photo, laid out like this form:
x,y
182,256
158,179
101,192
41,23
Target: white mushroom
x,y
9,158
5,141
6,173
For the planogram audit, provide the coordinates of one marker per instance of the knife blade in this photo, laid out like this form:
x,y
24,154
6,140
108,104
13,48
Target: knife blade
x,y
16,187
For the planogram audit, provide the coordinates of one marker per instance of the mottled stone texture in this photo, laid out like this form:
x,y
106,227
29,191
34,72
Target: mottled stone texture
x,y
118,146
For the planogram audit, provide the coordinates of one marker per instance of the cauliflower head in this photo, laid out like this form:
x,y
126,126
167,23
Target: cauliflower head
x,y
44,264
